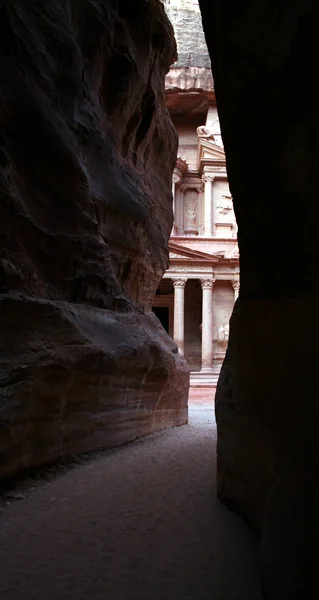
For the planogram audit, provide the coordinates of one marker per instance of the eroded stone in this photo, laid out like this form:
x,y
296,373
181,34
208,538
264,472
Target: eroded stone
x,y
87,154
266,401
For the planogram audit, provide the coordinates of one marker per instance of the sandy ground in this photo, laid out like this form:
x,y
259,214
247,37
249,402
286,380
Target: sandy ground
x,y
138,523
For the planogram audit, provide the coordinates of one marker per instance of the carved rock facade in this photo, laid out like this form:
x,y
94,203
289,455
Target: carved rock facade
x,y
203,239
86,159
267,398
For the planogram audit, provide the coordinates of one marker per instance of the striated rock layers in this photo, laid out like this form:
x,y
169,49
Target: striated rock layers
x,y
189,83
264,59
86,154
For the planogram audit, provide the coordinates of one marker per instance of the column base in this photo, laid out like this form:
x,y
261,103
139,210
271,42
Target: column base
x,y
191,231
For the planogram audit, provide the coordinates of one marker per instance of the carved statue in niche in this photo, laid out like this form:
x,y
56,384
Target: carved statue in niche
x,y
223,334
191,215
224,207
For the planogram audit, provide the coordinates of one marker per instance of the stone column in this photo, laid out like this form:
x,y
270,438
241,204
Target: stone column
x,y
208,204
173,194
175,180
235,284
207,325
179,287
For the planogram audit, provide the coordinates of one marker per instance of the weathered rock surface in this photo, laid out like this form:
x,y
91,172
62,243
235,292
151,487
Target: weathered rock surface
x,y
264,57
87,152
189,83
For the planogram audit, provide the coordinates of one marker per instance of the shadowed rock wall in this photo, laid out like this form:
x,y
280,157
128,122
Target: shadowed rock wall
x,y
264,58
86,154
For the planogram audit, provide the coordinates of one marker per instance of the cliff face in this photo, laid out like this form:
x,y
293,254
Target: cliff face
x,y
263,60
86,154
189,83
191,45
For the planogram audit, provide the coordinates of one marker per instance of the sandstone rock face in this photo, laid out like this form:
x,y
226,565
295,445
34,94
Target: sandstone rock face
x,y
264,58
190,38
87,151
189,83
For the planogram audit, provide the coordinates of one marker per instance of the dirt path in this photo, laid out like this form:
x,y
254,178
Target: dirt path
x,y
138,523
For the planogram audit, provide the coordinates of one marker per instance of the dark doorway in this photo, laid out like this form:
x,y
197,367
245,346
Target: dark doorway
x,y
162,313
193,319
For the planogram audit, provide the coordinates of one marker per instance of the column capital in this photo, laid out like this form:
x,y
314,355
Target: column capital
x,y
179,283
208,177
235,283
207,283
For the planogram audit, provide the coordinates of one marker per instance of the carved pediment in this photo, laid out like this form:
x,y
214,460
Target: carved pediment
x,y
210,155
180,253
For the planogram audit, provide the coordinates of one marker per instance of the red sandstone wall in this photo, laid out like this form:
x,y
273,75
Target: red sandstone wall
x,y
86,154
264,56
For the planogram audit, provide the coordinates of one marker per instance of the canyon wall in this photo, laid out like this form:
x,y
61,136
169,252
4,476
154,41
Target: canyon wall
x,y
87,151
264,57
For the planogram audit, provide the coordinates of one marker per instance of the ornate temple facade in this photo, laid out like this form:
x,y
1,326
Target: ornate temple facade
x,y
195,298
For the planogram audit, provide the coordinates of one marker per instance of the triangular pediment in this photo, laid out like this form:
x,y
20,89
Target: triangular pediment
x,y
210,154
210,149
180,253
